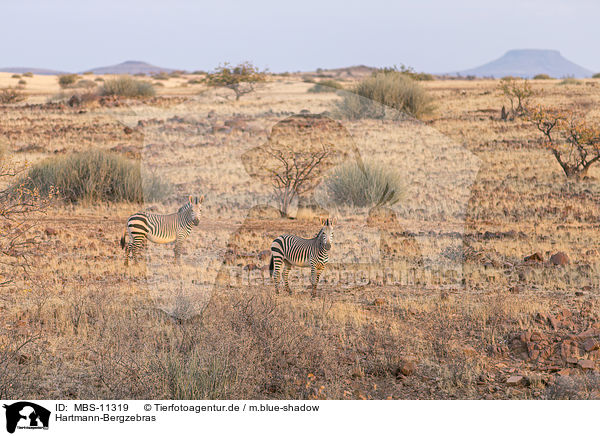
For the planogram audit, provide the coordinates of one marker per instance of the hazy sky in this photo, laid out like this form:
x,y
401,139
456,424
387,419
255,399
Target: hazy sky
x,y
430,35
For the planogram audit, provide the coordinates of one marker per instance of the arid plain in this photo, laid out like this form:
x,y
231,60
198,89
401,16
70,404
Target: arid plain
x,y
431,300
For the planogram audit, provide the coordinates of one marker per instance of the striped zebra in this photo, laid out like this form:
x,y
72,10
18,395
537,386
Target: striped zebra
x,y
290,250
161,229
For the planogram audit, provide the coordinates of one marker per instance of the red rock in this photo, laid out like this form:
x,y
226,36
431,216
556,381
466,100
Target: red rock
x,y
586,364
560,258
553,322
51,231
589,333
590,344
515,380
537,336
408,368
535,257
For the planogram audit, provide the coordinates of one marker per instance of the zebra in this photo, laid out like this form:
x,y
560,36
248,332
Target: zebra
x,y
290,250
161,229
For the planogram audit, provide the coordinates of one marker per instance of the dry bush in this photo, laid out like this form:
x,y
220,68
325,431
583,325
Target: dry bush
x,y
20,207
372,97
94,176
364,185
241,79
299,151
66,80
126,86
518,92
11,95
574,142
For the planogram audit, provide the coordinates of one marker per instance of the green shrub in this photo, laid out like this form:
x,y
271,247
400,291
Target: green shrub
x,y
11,95
87,73
22,82
126,86
85,84
325,86
98,79
372,96
16,76
542,77
570,81
379,185
408,71
28,74
161,76
94,176
67,80
596,76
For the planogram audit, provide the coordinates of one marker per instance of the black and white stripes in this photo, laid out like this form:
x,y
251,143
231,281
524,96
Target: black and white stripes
x,y
290,250
161,229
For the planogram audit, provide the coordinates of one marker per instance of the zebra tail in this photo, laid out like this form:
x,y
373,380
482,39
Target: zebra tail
x,y
271,266
123,239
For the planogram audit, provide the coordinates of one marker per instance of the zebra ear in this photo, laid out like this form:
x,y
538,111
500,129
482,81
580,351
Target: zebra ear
x,y
201,199
190,199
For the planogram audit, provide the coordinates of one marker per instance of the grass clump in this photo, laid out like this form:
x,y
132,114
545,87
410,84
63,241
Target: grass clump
x,y
126,86
11,95
94,176
325,86
368,185
67,80
386,90
570,81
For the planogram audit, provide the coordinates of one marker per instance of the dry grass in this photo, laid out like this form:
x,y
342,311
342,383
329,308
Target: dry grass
x,y
427,286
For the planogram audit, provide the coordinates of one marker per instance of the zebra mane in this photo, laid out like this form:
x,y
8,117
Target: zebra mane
x,y
320,233
184,207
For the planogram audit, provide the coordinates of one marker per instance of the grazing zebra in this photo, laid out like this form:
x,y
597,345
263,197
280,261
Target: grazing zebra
x,y
290,250
160,229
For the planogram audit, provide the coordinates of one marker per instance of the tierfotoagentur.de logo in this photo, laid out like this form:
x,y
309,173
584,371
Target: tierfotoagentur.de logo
x,y
26,415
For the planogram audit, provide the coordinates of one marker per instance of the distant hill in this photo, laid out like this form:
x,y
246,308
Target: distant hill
x,y
528,63
130,67
21,70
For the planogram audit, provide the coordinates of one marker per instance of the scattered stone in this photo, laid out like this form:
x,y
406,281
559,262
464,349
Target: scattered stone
x,y
50,231
535,257
586,364
408,368
590,344
515,289
559,258
379,302
128,130
515,380
553,322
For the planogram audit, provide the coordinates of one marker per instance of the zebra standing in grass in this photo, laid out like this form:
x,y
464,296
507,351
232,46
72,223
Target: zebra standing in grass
x,y
290,250
161,229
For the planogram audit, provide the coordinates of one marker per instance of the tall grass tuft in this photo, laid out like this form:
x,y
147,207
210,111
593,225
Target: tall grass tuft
x,y
199,377
373,184
371,97
126,86
95,176
325,86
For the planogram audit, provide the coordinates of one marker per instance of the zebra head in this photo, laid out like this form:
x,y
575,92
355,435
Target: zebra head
x,y
327,233
194,207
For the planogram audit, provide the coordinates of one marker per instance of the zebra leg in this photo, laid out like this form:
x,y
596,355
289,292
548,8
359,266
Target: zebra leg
x,y
286,271
317,274
177,250
276,272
